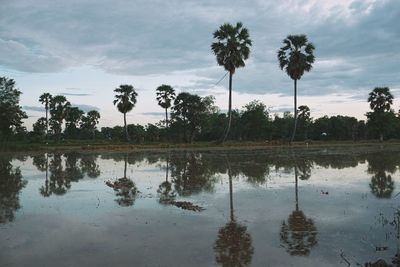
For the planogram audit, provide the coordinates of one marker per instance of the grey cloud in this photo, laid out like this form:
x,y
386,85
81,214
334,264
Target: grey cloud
x,y
354,52
154,114
75,94
34,108
86,108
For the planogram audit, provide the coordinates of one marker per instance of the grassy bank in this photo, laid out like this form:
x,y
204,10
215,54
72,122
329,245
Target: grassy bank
x,y
90,145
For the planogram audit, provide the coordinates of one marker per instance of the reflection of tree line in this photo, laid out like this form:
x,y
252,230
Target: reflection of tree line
x,y
63,169
189,173
11,183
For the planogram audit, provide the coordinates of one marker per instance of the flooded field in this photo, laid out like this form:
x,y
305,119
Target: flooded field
x,y
300,207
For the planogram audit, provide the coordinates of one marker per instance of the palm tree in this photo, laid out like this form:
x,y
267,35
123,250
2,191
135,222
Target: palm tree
x,y
165,96
125,101
59,107
380,101
296,57
232,48
46,99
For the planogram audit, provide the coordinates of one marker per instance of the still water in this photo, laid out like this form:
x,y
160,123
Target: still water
x,y
278,207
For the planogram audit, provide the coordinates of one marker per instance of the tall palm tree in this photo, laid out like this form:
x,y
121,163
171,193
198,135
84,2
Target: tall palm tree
x,y
125,99
59,107
165,96
46,99
232,48
296,57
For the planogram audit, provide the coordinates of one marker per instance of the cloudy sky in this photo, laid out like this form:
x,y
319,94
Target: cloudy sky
x,y
86,48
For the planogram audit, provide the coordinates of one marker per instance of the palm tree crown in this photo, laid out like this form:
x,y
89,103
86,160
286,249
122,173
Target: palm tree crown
x,y
165,95
380,99
126,98
45,99
232,47
296,56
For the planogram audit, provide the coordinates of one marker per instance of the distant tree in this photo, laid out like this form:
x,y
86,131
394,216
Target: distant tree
x,y
90,121
296,57
40,127
73,118
232,48
46,99
304,117
189,110
58,110
254,121
125,99
165,96
11,114
380,101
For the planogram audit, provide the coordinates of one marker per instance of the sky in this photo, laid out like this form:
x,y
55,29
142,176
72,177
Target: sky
x,y
84,49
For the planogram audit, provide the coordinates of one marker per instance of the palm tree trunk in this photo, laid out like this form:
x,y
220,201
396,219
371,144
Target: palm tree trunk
x,y
295,112
126,129
47,123
166,118
229,108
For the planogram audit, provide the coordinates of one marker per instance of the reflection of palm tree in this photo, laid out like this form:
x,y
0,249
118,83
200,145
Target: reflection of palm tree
x,y
382,185
233,246
45,190
60,178
89,166
165,191
299,234
125,188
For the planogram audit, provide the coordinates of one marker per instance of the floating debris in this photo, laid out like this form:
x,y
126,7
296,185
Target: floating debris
x,y
185,205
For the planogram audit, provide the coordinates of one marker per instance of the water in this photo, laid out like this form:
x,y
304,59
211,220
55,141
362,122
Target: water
x,y
299,207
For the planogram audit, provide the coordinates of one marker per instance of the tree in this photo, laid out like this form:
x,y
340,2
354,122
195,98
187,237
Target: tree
x,y
380,101
40,127
254,121
304,118
58,111
125,99
11,113
232,48
190,111
73,118
165,96
90,121
296,57
46,99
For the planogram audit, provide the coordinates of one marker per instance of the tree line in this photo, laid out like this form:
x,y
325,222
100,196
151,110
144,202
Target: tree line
x,y
195,118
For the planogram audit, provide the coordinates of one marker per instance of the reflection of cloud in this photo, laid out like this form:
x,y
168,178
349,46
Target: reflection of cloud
x,y
34,108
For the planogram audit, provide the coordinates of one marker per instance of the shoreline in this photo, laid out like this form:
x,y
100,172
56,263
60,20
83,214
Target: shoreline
x,y
164,147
